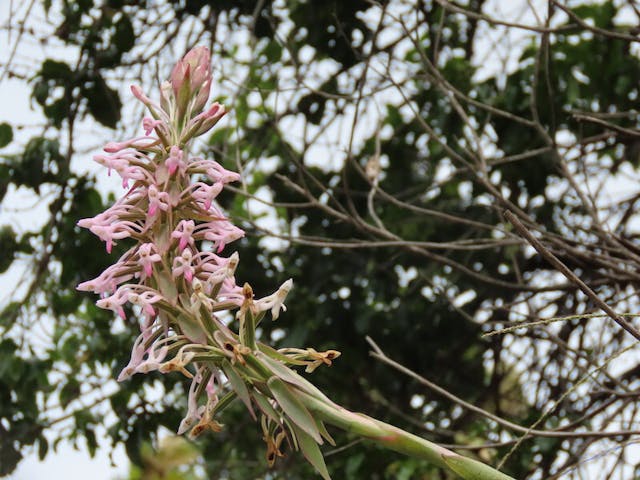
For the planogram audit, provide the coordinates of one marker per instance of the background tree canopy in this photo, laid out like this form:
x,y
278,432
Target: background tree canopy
x,y
380,144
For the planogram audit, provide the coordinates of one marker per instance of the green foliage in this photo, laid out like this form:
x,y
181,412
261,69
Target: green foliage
x,y
52,90
8,245
40,163
124,35
103,102
6,134
21,378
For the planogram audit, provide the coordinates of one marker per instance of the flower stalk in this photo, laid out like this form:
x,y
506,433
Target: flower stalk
x,y
175,280
400,441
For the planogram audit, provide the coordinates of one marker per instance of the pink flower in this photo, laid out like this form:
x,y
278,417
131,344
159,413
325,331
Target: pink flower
x,y
213,170
108,217
157,200
184,233
205,259
219,232
137,364
153,107
115,302
203,122
131,173
162,171
122,164
231,293
194,412
145,300
154,360
174,162
205,194
137,354
211,389
182,266
108,280
146,258
149,124
110,162
115,231
139,143
221,271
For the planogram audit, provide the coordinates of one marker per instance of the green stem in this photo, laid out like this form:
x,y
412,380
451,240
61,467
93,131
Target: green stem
x,y
400,441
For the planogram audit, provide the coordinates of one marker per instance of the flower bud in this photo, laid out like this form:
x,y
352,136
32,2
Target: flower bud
x,y
191,79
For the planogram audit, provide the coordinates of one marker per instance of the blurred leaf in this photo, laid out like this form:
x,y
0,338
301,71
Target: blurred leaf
x,y
69,392
9,456
43,447
52,69
103,102
8,247
41,91
124,36
92,442
57,111
40,162
6,134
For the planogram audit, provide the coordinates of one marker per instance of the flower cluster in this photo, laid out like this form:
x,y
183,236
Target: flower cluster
x,y
174,277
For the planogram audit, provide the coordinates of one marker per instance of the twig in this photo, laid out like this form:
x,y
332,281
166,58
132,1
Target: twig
x,y
572,277
378,354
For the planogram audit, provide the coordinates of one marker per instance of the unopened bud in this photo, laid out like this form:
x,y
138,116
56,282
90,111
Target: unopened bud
x,y
191,78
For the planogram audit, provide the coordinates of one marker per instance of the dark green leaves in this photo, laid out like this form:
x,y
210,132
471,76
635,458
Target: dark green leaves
x,y
55,86
54,70
21,378
92,441
6,134
40,162
9,456
103,102
331,27
52,90
8,247
123,37
69,392
602,15
43,447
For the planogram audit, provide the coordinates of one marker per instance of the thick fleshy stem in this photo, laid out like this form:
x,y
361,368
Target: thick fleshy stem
x,y
400,441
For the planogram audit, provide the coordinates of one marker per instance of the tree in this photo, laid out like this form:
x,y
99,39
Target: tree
x,y
400,236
